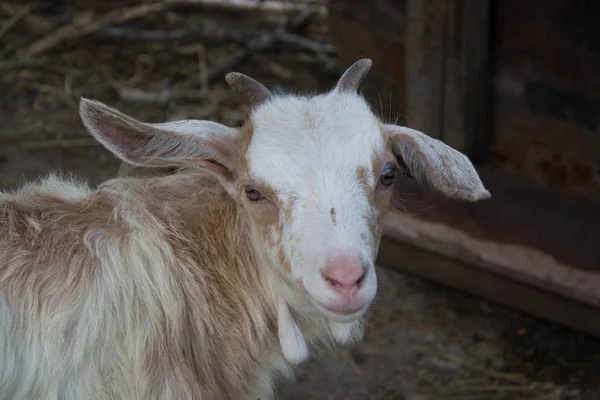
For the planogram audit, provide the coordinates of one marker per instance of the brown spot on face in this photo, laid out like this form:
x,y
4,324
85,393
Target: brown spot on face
x,y
376,162
287,210
379,195
362,174
270,213
363,236
333,217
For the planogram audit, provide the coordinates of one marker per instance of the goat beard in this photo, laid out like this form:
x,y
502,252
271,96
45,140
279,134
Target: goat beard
x,y
347,332
292,341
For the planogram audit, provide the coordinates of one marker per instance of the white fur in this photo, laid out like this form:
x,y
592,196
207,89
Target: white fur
x,y
315,146
291,340
347,332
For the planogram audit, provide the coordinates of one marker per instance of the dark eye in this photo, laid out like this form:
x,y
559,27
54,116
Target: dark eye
x,y
387,176
253,194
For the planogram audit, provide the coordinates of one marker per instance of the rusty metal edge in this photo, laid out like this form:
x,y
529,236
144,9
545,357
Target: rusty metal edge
x,y
409,257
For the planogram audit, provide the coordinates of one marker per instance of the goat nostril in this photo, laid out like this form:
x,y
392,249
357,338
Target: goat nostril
x,y
360,280
345,282
331,281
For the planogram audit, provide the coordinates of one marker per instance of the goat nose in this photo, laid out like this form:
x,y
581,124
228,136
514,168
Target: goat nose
x,y
344,274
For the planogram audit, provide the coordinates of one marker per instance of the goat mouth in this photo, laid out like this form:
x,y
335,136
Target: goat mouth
x,y
341,315
337,314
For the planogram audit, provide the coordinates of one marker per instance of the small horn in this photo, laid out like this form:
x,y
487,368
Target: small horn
x,y
253,91
354,75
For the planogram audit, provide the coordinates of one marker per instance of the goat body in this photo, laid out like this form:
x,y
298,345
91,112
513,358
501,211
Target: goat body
x,y
212,282
143,289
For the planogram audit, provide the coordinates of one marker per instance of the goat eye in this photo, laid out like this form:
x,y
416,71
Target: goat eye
x,y
387,176
253,194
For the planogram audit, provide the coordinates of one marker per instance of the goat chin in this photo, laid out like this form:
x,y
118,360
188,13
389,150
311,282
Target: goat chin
x,y
347,332
292,341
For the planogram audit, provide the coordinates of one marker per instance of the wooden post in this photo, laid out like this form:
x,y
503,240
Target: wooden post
x,y
424,59
447,72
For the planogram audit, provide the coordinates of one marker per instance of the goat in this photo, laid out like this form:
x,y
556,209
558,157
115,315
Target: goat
x,y
212,282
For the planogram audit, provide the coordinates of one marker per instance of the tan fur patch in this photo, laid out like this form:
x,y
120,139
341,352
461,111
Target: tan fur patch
x,y
164,246
284,261
379,195
246,134
362,174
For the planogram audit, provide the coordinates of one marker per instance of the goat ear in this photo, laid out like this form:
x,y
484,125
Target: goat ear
x,y
169,144
431,162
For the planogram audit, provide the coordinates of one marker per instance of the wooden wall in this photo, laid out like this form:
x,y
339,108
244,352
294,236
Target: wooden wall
x,y
546,91
515,84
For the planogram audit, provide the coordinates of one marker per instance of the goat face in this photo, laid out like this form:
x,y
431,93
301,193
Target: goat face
x,y
314,174
319,177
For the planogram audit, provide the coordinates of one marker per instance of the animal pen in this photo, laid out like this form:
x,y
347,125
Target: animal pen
x,y
513,84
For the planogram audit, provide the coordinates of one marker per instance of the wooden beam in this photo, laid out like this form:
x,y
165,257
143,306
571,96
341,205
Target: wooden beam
x,y
424,60
447,72
399,255
466,78
521,278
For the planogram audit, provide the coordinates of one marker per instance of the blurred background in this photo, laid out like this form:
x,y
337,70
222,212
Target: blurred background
x,y
494,300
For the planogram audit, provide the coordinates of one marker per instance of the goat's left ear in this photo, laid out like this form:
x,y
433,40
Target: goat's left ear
x,y
433,163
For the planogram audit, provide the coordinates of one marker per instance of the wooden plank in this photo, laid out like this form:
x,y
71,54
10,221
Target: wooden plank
x,y
514,262
530,247
521,212
446,60
466,78
397,254
424,60
375,30
547,93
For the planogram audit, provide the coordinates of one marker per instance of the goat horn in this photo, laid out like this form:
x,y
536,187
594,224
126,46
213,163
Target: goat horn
x,y
354,75
253,91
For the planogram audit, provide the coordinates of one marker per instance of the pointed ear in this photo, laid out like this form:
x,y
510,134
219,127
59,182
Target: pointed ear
x,y
431,162
169,144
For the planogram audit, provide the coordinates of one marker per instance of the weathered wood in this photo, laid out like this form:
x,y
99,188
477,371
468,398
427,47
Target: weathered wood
x,y
530,247
375,30
447,71
425,60
546,93
521,212
414,259
546,258
508,260
466,82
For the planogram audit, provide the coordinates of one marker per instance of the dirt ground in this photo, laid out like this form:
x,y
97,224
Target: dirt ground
x,y
430,342
424,341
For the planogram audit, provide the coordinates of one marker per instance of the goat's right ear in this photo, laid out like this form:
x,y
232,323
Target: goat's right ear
x,y
170,144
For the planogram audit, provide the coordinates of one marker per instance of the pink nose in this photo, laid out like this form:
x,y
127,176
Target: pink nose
x,y
345,274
